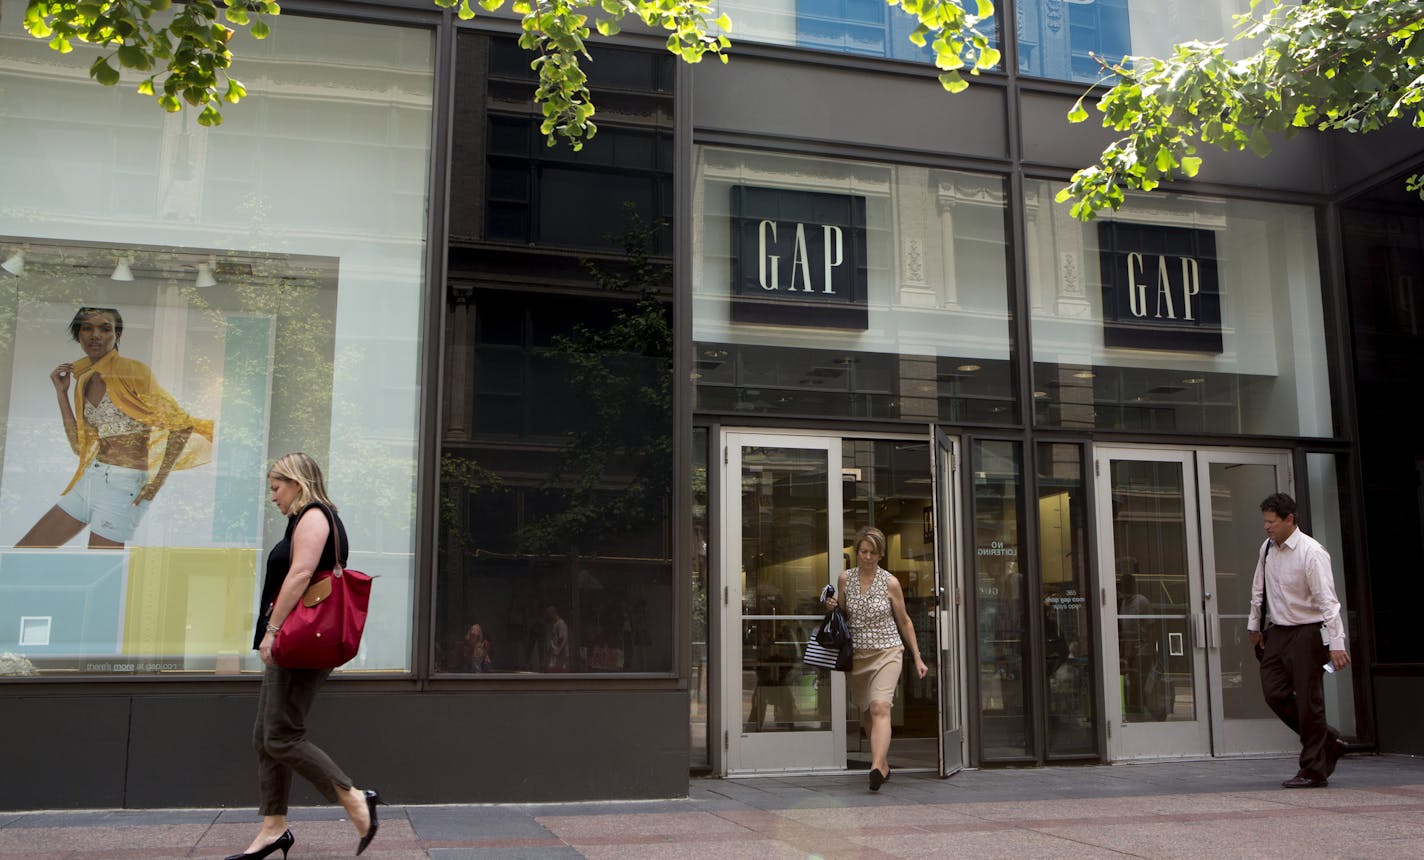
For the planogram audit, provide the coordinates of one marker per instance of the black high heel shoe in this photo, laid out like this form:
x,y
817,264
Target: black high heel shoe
x,y
372,800
284,842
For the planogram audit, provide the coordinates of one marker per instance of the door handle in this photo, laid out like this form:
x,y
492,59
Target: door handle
x,y
1198,631
1214,629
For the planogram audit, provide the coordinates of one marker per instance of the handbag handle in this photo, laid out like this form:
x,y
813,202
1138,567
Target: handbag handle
x,y
337,567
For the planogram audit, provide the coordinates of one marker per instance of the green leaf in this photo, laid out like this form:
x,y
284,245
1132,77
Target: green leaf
x,y
133,57
953,82
210,117
260,29
1078,113
609,27
1190,165
1259,143
104,73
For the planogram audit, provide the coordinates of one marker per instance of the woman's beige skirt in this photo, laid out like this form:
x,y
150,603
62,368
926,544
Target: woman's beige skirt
x,y
874,675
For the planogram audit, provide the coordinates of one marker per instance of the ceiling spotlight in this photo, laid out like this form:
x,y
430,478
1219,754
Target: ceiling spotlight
x,y
1084,374
1194,380
122,272
15,263
205,274
968,368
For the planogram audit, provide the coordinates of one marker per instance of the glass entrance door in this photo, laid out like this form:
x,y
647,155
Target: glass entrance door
x,y
1176,568
781,517
1232,539
948,593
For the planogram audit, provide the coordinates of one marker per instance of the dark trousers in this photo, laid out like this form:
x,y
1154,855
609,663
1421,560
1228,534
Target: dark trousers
x,y
280,737
1292,678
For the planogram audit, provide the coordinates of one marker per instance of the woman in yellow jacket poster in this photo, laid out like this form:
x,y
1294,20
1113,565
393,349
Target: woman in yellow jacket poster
x,y
128,433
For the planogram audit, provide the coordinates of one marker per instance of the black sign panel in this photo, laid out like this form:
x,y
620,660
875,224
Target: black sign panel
x,y
1160,287
798,258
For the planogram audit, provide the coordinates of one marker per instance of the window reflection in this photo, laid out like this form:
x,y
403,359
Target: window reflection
x,y
556,465
1156,671
1264,261
555,536
1003,628
1065,39
700,586
1063,559
867,28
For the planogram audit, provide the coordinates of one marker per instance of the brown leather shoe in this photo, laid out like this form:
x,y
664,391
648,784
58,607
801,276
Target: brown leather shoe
x,y
1333,753
1304,782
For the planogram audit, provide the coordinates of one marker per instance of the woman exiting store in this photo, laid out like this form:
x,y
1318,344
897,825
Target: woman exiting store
x,y
881,630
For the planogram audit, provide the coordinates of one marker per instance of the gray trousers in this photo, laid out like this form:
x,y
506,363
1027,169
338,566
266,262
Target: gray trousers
x,y
280,737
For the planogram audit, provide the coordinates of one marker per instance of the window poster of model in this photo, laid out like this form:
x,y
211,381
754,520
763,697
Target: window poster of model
x,y
136,390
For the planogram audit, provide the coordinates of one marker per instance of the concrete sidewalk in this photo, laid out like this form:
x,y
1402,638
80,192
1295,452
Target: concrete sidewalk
x,y
1373,808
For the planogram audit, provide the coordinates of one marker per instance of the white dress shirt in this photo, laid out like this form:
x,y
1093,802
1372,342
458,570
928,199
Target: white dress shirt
x,y
1301,587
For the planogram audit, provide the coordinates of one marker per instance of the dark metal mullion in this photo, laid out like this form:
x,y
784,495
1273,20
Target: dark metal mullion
x,y
427,537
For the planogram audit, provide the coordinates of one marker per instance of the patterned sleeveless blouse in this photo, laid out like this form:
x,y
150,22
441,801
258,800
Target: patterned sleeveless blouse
x,y
872,621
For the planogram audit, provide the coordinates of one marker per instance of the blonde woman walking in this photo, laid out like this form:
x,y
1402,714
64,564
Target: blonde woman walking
x,y
881,630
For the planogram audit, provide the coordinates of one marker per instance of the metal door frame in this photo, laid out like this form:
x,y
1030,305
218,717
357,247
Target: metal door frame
x,y
949,591
1210,735
1244,737
779,752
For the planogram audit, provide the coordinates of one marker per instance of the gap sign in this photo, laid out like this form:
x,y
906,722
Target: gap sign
x,y
1160,287
798,258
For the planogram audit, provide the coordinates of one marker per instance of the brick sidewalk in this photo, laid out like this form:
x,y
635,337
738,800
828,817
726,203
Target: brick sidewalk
x,y
1374,808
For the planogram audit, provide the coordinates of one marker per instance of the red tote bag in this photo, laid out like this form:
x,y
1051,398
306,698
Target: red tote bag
x,y
324,630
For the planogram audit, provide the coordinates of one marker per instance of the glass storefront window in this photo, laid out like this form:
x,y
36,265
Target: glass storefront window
x,y
1327,506
1383,238
850,290
1177,315
269,303
1005,721
556,471
1063,39
1069,652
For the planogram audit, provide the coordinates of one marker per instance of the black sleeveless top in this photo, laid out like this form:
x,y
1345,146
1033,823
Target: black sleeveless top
x,y
279,562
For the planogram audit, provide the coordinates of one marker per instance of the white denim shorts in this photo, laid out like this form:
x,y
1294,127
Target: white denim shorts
x,y
104,498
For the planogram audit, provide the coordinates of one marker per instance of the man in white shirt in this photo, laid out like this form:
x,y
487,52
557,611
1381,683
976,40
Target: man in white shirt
x,y
1303,631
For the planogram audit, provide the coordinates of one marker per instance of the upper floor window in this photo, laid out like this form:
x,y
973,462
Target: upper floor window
x,y
869,28
1064,39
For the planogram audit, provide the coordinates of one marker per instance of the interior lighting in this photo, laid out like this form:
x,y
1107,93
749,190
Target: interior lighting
x,y
205,274
122,272
15,263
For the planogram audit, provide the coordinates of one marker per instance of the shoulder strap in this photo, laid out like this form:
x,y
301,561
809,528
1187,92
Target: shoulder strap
x,y
336,566
1265,598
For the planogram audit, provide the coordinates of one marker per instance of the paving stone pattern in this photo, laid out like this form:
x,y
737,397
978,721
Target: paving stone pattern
x,y
1373,808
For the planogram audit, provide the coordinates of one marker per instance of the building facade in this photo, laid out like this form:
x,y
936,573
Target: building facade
x,y
603,423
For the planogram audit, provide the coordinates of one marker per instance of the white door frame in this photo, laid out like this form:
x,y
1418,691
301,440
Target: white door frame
x,y
1209,734
1171,738
1238,737
774,752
